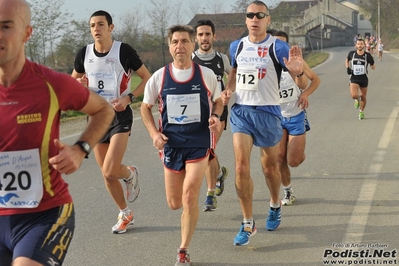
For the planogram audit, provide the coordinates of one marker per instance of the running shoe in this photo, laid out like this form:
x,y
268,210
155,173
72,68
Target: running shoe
x,y
356,104
210,202
132,185
183,258
123,223
274,219
242,238
220,181
361,115
289,197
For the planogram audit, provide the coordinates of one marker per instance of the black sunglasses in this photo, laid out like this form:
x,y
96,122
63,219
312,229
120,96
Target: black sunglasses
x,y
258,15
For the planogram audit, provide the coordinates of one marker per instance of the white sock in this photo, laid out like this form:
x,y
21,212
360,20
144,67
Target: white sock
x,y
130,176
274,205
125,211
287,187
248,222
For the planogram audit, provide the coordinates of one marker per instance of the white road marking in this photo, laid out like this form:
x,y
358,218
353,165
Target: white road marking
x,y
358,221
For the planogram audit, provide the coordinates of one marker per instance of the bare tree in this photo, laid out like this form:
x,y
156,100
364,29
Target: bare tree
x,y
162,12
240,6
196,8
131,30
49,23
216,7
389,27
77,36
177,13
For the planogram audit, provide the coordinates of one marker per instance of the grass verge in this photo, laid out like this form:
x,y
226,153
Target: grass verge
x,y
316,58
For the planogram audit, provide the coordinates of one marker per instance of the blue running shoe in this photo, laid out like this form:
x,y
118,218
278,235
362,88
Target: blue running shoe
x,y
242,238
274,219
210,203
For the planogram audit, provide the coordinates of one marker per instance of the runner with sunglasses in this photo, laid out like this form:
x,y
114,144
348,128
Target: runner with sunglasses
x,y
256,116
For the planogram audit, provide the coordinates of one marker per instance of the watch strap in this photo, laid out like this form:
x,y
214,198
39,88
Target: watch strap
x,y
84,146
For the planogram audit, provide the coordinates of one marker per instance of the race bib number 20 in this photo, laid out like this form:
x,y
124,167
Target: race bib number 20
x,y
21,184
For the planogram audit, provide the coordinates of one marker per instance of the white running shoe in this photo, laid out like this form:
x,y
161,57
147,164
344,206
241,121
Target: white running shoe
x,y
289,197
124,221
132,185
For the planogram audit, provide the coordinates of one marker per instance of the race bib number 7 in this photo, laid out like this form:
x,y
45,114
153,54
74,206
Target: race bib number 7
x,y
183,108
21,182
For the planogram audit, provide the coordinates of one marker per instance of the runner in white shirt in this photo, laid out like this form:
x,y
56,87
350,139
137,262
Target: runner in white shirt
x,y
293,104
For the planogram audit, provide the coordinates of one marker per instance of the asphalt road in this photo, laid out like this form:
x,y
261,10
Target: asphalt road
x,y
347,192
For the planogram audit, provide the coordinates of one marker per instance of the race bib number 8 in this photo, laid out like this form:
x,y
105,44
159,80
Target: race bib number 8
x,y
21,184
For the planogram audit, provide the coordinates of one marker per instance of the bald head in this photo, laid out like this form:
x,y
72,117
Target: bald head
x,y
15,23
15,9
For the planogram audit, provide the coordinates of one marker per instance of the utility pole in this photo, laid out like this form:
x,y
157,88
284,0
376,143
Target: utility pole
x,y
378,24
321,32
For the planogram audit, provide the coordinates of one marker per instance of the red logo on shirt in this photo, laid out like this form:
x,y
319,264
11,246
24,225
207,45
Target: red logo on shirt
x,y
261,73
262,51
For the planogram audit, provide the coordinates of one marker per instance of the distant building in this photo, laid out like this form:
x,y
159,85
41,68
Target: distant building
x,y
312,24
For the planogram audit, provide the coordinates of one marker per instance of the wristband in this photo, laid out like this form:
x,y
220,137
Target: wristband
x,y
215,115
132,98
300,75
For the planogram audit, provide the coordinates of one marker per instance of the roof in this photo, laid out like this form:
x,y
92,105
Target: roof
x,y
228,25
294,7
221,20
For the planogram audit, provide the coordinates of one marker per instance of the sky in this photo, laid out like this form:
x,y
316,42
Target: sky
x,y
82,9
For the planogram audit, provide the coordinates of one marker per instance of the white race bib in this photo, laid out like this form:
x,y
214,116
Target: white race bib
x,y
247,79
21,181
359,70
288,94
105,84
184,108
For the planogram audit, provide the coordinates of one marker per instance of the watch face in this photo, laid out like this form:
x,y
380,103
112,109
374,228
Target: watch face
x,y
86,146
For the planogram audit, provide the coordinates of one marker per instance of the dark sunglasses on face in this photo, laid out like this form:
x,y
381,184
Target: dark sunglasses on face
x,y
258,15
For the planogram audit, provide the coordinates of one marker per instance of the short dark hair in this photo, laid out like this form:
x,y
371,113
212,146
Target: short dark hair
x,y
205,22
271,31
259,3
181,28
360,40
282,34
103,13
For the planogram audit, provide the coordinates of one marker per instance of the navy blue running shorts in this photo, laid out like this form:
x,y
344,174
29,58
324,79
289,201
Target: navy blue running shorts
x,y
41,236
175,159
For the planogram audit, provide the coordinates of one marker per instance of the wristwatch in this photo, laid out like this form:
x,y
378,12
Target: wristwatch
x,y
132,98
215,115
84,146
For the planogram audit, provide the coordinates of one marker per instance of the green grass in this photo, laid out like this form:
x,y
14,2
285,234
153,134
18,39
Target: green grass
x,y
315,58
70,114
134,83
